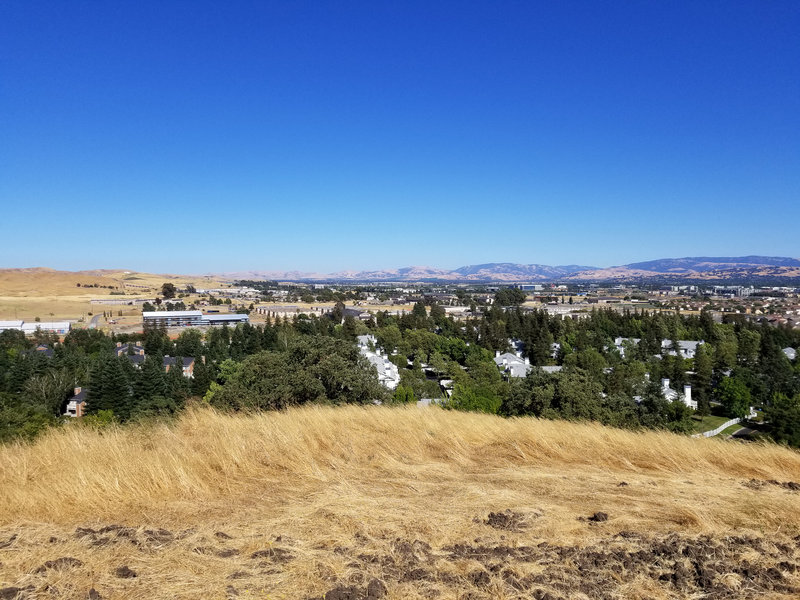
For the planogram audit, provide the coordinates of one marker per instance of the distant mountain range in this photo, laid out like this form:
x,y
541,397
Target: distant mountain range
x,y
754,268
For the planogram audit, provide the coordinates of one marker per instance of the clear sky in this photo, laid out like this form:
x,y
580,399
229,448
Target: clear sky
x,y
220,136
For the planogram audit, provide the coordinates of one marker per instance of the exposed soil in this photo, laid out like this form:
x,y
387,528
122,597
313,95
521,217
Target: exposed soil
x,y
508,520
757,484
685,566
515,566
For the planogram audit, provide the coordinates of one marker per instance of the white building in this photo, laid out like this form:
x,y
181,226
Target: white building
x,y
512,365
622,342
52,326
388,373
671,394
687,348
31,328
11,325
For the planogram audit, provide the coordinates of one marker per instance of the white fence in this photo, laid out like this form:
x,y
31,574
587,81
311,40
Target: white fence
x,y
725,425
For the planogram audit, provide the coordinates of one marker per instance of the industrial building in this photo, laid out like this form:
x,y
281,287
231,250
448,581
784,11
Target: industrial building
x,y
29,328
189,318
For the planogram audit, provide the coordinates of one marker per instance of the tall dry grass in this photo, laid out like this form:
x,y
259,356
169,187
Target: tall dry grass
x,y
208,457
330,484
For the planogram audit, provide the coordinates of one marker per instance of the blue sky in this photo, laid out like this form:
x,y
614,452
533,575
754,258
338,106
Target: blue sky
x,y
220,136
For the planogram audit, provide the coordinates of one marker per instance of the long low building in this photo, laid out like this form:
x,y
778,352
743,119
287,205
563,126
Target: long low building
x,y
172,318
190,318
11,325
29,328
228,319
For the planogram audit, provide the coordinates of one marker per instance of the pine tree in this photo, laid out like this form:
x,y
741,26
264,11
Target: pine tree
x,y
178,387
117,388
151,381
109,388
202,377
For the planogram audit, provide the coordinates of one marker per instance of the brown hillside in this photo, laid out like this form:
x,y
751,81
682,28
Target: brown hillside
x,y
41,281
358,503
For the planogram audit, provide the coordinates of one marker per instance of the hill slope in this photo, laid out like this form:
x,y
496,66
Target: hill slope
x,y
398,503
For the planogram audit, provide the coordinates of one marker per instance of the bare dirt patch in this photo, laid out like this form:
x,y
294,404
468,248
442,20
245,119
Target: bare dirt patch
x,y
757,484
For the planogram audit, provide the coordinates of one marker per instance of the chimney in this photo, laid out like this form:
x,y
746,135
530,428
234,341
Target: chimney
x,y
119,344
687,394
77,390
527,361
497,353
665,384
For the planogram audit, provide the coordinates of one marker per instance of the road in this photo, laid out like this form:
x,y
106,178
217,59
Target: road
x,y
93,322
744,432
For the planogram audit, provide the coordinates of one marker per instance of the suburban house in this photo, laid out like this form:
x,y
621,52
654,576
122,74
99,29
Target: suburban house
x,y
130,349
76,405
388,373
687,349
188,365
366,342
670,394
513,365
620,343
43,349
357,313
134,352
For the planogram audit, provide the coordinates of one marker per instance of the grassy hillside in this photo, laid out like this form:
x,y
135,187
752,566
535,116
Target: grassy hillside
x,y
51,294
338,502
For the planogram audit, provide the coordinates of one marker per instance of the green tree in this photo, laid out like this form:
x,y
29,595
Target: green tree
x,y
403,395
703,371
783,419
531,395
109,388
474,398
734,395
150,381
749,344
168,290
577,395
189,343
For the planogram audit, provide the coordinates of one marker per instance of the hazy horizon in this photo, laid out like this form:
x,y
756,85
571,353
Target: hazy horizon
x,y
234,270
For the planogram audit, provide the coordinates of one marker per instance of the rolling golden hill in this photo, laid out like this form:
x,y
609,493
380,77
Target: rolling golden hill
x,y
352,503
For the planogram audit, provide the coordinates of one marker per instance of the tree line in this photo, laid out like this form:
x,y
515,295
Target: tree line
x,y
288,361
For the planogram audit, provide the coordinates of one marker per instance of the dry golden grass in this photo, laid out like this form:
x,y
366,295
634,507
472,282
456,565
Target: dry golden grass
x,y
323,489
50,294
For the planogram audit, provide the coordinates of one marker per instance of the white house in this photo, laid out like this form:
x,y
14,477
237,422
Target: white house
x,y
671,394
687,348
512,364
621,342
366,341
388,373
